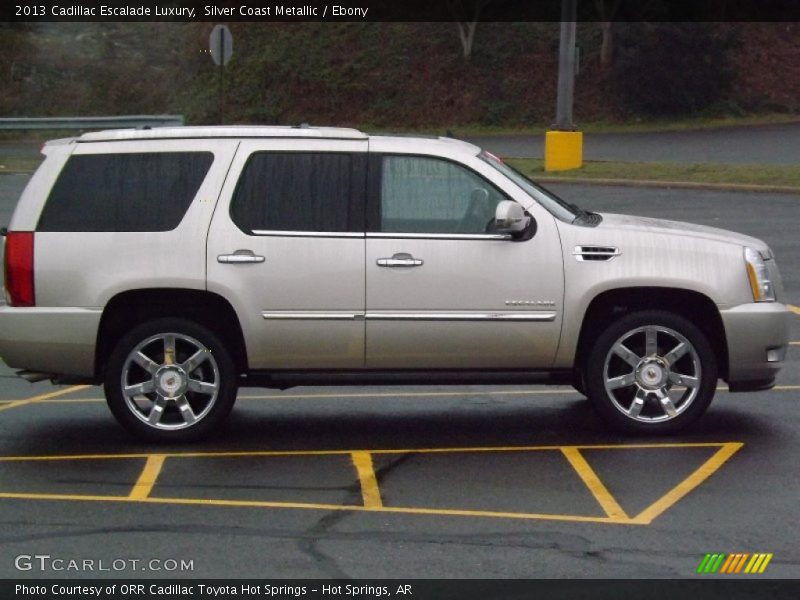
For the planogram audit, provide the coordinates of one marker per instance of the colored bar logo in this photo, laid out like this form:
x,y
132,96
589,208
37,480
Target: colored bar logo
x,y
731,564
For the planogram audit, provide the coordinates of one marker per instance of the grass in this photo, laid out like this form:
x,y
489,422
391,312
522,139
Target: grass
x,y
763,175
19,164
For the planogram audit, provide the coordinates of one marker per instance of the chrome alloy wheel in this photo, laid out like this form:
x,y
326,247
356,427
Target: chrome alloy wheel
x,y
170,381
652,374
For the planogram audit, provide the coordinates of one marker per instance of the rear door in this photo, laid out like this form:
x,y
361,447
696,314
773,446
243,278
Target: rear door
x,y
286,247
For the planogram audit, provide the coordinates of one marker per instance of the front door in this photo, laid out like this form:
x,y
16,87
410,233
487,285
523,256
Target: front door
x,y
443,291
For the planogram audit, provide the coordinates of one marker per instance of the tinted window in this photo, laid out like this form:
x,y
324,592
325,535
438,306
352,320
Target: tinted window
x,y
124,192
428,195
301,191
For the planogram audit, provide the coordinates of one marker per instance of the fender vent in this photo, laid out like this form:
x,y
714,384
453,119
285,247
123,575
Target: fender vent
x,y
595,252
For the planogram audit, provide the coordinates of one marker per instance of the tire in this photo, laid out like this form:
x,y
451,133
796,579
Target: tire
x,y
176,396
651,372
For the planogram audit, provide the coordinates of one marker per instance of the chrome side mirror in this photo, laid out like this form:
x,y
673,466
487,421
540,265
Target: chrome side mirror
x,y
510,217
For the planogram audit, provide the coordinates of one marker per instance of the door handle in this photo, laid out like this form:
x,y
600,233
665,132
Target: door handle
x,y
240,257
401,259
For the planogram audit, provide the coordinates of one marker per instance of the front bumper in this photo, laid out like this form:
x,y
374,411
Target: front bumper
x,y
56,341
757,336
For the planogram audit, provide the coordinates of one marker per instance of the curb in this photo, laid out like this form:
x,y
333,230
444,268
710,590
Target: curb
x,y
690,185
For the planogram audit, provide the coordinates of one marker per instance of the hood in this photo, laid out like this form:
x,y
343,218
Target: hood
x,y
648,225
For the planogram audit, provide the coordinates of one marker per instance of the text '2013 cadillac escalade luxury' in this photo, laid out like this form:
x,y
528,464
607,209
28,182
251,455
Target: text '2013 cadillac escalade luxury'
x,y
175,265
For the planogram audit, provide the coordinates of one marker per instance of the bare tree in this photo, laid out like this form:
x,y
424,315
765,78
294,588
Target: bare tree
x,y
606,13
468,13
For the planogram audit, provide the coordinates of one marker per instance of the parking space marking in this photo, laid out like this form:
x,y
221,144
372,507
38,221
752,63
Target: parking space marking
x,y
705,471
794,309
370,492
44,397
147,479
592,481
362,460
537,392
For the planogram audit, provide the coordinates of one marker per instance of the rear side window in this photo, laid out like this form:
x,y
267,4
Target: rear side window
x,y
301,191
148,191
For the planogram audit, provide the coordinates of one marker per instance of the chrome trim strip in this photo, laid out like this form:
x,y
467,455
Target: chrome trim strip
x,y
306,315
463,316
441,236
606,252
328,234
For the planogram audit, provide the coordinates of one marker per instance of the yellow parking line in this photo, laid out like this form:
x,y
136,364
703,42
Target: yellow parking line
x,y
347,507
147,479
592,481
469,449
44,397
705,471
370,492
544,392
794,309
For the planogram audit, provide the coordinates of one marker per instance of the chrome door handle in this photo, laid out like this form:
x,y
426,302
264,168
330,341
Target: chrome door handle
x,y
401,259
240,257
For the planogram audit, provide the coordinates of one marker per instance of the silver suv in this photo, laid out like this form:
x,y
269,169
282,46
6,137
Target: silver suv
x,y
174,265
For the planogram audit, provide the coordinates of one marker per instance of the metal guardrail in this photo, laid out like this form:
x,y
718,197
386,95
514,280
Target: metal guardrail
x,y
122,122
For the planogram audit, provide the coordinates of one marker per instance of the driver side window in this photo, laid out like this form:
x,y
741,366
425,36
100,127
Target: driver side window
x,y
430,195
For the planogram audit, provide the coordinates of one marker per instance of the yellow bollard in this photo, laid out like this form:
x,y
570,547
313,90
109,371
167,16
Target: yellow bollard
x,y
563,150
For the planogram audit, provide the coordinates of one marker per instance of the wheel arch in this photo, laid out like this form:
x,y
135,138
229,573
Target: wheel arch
x,y
130,308
613,304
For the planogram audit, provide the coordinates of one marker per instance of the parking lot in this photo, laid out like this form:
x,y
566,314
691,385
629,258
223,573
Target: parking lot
x,y
422,481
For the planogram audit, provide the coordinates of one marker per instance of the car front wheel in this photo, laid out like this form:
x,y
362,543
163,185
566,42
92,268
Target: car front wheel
x,y
651,372
170,380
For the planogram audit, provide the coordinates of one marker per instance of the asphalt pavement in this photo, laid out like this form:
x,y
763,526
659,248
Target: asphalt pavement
x,y
764,144
467,481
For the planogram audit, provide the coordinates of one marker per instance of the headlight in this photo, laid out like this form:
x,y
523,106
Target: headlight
x,y
758,274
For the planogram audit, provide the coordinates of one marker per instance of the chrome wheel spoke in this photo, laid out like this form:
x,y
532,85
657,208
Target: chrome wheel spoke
x,y
201,387
195,360
684,380
169,349
650,346
676,353
137,389
146,363
638,403
620,382
625,354
666,402
186,410
157,411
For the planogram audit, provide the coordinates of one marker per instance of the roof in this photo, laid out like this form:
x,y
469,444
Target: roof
x,y
224,131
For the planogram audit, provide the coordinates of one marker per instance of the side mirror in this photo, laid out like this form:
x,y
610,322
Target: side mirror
x,y
510,217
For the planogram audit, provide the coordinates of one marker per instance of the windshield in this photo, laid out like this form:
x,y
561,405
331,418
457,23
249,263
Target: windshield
x,y
555,205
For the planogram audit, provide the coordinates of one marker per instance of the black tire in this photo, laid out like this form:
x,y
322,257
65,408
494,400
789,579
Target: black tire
x,y
688,380
181,401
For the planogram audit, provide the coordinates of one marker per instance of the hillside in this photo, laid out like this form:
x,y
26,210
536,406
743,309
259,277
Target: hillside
x,y
397,74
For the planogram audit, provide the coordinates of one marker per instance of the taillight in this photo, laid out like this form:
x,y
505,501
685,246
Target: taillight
x,y
19,268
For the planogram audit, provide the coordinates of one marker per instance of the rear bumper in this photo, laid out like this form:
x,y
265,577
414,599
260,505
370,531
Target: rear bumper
x,y
758,337
57,341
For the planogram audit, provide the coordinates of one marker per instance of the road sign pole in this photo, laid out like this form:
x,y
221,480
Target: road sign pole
x,y
220,43
222,81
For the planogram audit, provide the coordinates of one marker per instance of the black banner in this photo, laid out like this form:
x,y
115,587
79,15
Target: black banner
x,y
398,10
461,589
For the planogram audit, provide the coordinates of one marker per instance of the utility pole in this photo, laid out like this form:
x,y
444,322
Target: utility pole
x,y
566,66
563,147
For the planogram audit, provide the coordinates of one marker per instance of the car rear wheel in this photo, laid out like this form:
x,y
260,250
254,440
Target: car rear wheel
x,y
651,372
170,380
